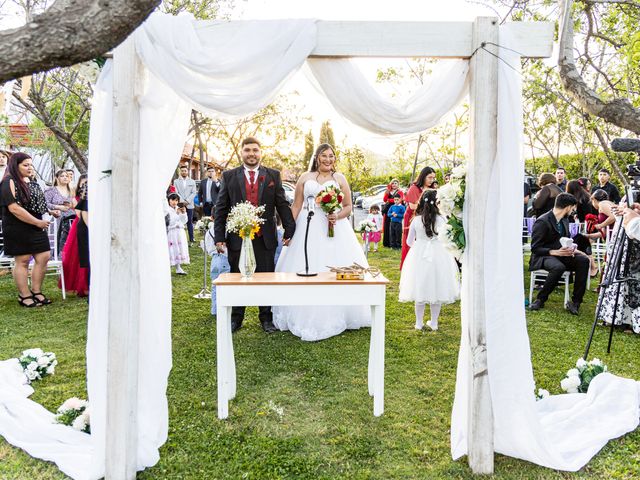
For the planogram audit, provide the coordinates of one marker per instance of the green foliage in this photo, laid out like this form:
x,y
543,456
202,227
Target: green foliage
x,y
327,430
353,165
308,147
326,134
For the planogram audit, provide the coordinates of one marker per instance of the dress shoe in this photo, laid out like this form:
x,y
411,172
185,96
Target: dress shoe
x,y
269,327
235,325
537,305
572,308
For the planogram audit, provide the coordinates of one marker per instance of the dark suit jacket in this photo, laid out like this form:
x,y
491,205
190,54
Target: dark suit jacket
x,y
544,238
215,188
270,194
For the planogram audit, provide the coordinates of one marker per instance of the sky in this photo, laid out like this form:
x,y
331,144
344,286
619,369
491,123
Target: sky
x,y
399,10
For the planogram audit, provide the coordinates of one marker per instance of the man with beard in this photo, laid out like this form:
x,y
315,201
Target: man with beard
x,y
548,254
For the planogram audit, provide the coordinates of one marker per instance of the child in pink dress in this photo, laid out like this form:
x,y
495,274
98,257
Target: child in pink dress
x,y
374,237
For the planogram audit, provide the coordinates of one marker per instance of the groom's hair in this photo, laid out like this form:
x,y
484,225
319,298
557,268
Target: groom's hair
x,y
250,140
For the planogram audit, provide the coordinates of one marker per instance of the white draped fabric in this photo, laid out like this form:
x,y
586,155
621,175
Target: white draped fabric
x,y
564,431
234,70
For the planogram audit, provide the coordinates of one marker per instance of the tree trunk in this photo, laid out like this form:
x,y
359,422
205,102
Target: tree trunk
x,y
69,32
619,111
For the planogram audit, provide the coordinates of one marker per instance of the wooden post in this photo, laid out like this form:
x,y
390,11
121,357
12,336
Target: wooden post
x,y
484,127
124,312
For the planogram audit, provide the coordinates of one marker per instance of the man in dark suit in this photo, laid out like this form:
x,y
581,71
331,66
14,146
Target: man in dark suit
x,y
261,186
547,253
208,191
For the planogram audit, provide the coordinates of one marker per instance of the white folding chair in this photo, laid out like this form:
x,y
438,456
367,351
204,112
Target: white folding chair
x,y
541,276
6,261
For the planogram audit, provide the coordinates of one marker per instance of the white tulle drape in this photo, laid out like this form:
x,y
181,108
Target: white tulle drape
x,y
563,431
236,69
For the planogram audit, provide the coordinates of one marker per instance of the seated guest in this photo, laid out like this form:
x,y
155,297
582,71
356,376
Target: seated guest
x,y
606,215
546,196
548,254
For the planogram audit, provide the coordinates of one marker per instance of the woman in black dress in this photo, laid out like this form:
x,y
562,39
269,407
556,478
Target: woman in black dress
x,y
546,196
25,231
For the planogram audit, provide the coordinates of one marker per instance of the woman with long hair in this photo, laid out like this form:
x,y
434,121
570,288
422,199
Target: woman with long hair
x,y
25,231
76,278
320,322
430,272
392,191
425,180
61,197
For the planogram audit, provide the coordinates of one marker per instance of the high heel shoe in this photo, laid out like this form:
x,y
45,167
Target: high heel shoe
x,y
42,301
21,299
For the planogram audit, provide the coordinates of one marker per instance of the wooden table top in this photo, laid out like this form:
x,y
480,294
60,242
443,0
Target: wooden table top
x,y
281,278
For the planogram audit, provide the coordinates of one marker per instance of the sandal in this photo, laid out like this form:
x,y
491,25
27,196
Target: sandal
x,y
42,301
34,302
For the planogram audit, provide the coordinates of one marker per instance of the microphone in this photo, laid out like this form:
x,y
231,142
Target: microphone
x,y
310,205
626,145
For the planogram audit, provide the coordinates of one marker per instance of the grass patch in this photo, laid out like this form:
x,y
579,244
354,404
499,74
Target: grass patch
x,y
302,410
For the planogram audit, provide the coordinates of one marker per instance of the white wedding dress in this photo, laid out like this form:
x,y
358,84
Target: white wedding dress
x,y
319,322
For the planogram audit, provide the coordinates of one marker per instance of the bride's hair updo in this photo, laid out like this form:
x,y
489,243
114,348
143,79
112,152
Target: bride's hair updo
x,y
313,165
429,211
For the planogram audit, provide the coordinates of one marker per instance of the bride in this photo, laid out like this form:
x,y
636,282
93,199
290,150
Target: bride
x,y
318,323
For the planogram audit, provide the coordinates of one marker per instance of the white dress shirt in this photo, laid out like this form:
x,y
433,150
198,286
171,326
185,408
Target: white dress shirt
x,y
246,173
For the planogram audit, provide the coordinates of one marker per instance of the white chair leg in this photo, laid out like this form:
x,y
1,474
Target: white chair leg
x,y
64,293
531,285
566,290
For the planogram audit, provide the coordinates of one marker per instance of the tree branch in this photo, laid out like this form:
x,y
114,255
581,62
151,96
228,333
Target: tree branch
x,y
619,111
69,32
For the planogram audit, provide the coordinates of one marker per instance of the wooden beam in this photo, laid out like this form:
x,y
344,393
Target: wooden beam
x,y
422,39
124,278
483,95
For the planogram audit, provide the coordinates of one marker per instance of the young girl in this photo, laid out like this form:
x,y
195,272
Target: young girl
x,y
177,238
429,273
374,237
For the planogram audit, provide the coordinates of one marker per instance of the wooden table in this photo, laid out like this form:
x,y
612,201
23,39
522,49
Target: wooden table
x,y
289,289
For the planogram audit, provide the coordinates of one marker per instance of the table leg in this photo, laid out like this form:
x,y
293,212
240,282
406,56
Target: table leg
x,y
377,340
231,363
370,377
224,359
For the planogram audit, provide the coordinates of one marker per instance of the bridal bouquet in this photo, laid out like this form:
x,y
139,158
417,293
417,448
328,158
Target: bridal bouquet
x,y
38,364
451,203
577,379
75,413
329,199
366,226
245,220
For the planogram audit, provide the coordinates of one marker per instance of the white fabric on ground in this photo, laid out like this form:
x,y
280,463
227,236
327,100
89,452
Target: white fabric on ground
x,y
565,431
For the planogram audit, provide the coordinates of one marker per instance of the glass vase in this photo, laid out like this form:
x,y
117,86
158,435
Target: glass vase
x,y
247,263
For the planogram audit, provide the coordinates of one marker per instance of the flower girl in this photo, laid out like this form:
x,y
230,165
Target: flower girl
x,y
430,273
374,237
176,236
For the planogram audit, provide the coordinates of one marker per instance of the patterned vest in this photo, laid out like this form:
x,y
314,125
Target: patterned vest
x,y
252,190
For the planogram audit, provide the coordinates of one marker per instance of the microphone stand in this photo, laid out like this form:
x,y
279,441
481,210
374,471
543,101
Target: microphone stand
x,y
306,272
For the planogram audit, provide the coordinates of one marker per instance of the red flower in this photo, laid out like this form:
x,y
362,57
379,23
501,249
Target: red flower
x,y
339,198
326,198
261,179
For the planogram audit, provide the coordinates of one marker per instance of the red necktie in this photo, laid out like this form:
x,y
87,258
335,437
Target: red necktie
x,y
252,177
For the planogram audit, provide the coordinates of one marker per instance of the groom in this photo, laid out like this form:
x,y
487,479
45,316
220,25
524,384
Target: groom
x,y
261,186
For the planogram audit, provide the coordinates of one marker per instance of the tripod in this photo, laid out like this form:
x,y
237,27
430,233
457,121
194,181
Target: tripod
x,y
615,274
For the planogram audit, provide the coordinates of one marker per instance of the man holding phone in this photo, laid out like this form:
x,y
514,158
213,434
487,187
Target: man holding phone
x,y
547,253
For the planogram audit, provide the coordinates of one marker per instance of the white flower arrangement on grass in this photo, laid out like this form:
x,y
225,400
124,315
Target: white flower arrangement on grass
x,y
577,379
245,219
38,364
75,413
366,226
451,202
542,393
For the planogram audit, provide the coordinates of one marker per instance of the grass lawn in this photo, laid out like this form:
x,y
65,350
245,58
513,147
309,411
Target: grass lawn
x,y
302,410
